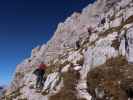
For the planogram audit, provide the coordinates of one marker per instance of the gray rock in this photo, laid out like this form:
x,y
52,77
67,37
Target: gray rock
x,y
95,50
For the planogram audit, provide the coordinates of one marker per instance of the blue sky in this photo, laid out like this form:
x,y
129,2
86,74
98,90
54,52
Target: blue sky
x,y
24,24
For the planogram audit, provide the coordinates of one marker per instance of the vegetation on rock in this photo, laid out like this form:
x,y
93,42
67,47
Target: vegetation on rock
x,y
112,80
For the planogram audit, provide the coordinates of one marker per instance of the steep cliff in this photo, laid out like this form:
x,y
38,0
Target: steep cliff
x,y
90,57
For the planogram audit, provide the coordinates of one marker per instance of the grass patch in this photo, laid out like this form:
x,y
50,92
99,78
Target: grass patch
x,y
68,92
114,78
128,21
13,95
110,30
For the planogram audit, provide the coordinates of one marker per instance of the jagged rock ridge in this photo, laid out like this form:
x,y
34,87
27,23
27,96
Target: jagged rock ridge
x,y
104,33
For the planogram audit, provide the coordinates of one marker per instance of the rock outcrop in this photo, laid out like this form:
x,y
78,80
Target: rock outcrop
x,y
2,90
90,57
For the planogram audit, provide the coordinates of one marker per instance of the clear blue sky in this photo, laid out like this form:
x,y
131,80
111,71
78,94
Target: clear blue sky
x,y
24,24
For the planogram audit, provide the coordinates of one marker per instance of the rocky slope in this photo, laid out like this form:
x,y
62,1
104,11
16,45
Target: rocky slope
x,y
2,90
89,57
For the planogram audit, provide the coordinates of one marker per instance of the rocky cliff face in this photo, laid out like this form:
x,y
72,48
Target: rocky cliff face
x,y
90,57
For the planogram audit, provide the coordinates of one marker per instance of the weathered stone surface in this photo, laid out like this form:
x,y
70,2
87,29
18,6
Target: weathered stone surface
x,y
110,21
130,45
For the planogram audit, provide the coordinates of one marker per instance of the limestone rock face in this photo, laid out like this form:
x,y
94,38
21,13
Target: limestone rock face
x,y
81,46
130,44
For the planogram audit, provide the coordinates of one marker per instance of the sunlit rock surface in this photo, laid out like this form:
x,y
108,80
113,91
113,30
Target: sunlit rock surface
x,y
89,57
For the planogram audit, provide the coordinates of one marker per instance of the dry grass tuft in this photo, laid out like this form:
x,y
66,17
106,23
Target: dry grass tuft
x,y
13,95
68,92
113,78
129,20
